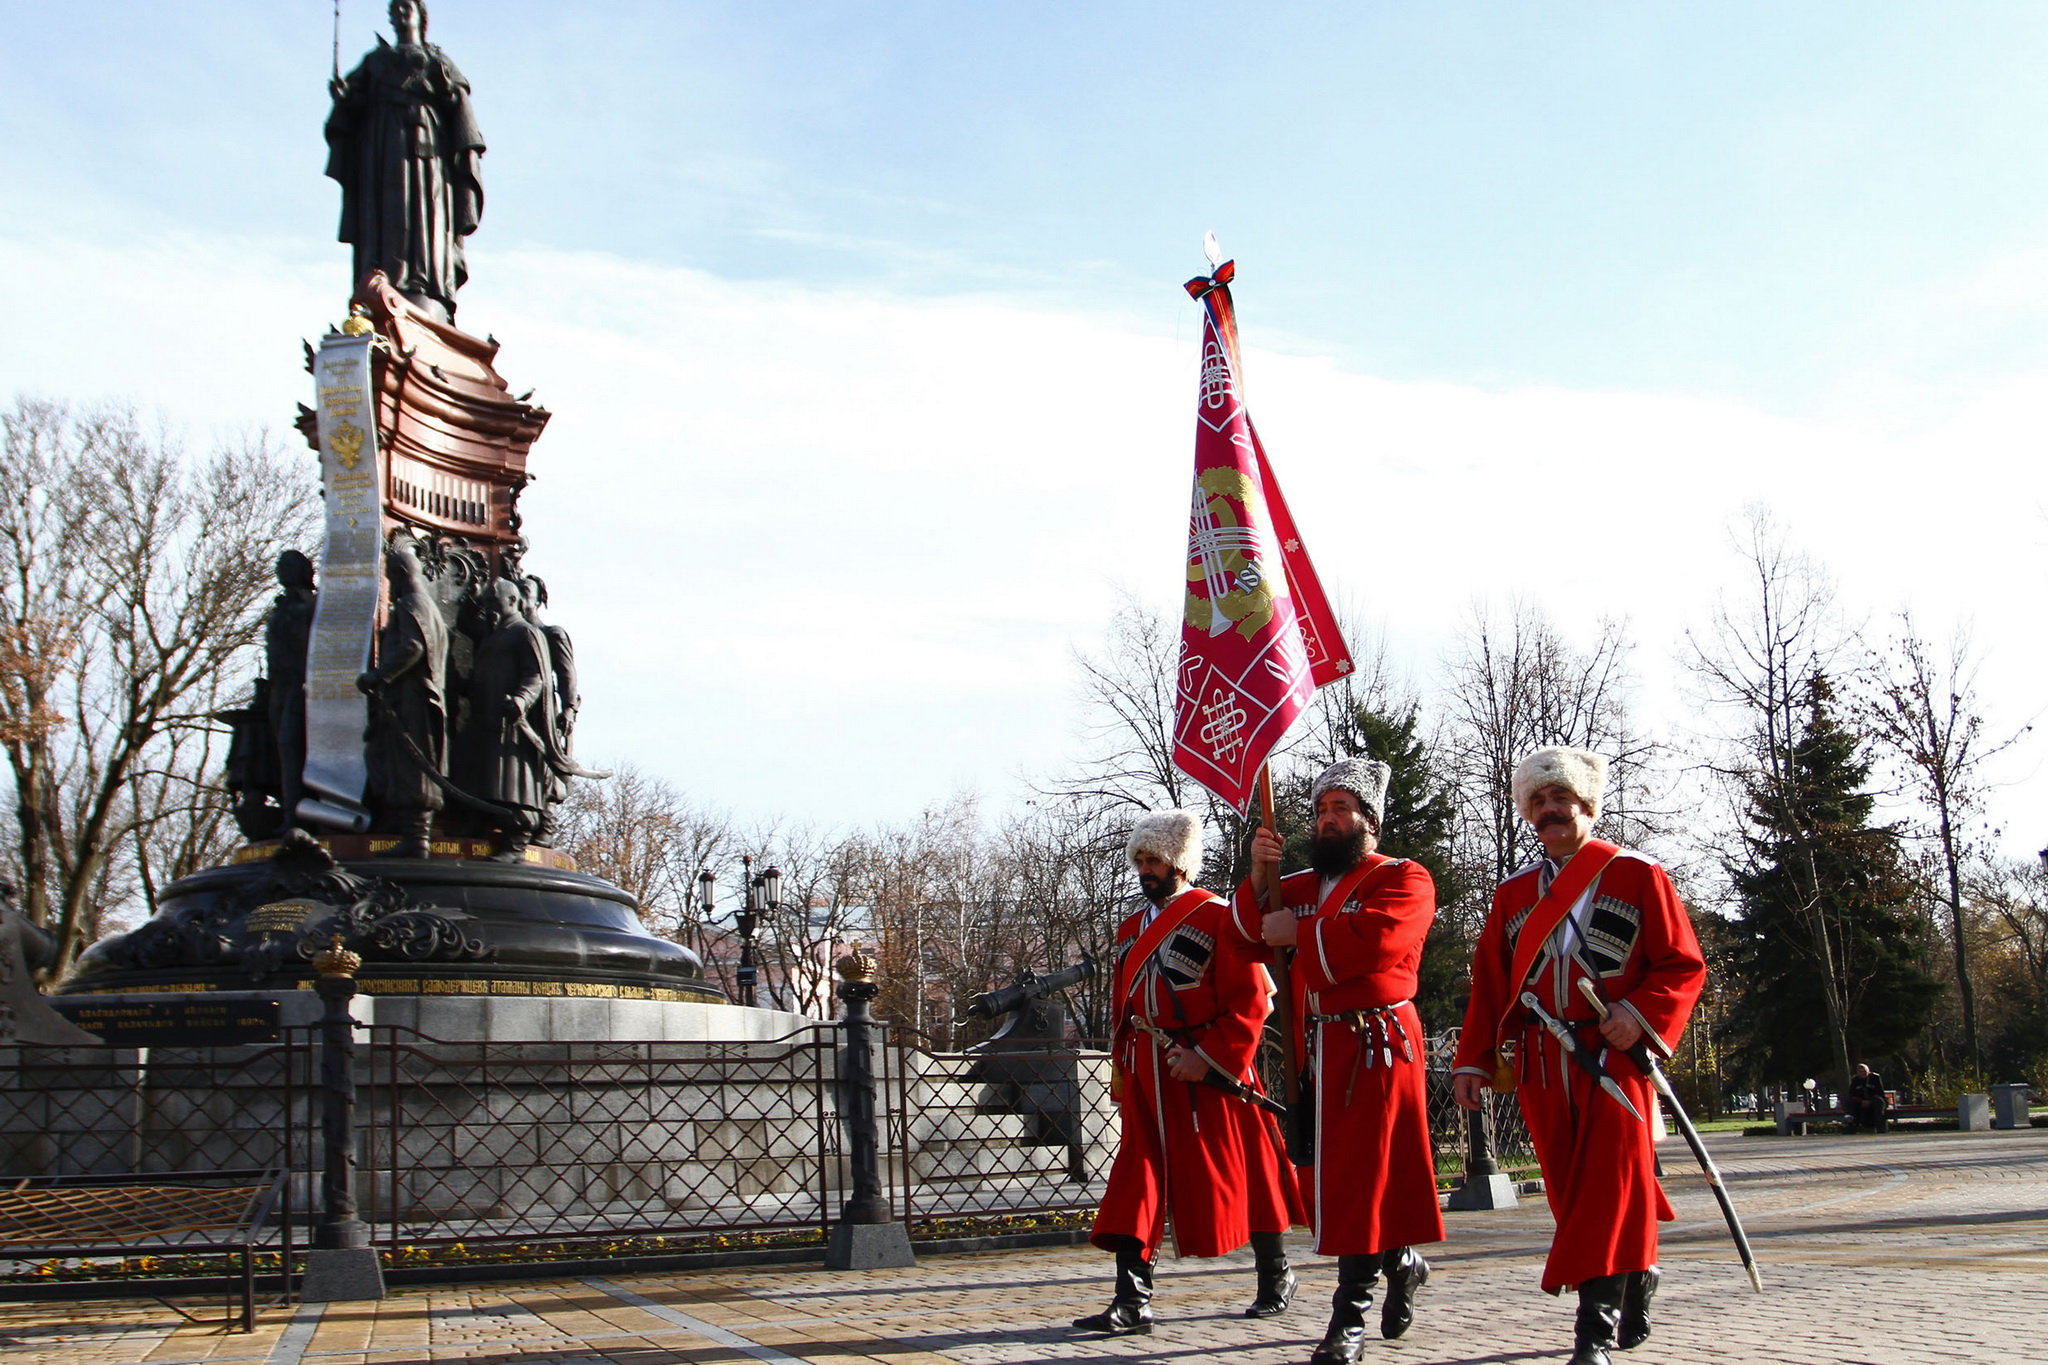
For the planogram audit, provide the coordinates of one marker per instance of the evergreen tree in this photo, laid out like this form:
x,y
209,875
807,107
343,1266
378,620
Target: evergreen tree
x,y
1828,953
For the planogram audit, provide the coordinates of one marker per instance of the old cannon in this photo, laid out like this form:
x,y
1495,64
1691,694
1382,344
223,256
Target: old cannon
x,y
1030,1066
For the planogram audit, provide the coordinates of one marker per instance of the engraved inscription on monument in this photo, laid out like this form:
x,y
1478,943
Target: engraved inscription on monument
x,y
167,1023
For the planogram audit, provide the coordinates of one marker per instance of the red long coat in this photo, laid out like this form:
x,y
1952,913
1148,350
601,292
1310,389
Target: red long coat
x,y
1599,1168
1212,1162
1373,1186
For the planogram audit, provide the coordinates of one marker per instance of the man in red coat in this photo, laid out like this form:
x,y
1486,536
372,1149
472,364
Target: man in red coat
x,y
1587,911
1356,921
1210,1163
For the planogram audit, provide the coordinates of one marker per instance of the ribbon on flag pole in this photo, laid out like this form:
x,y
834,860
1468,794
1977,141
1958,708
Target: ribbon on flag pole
x,y
1257,634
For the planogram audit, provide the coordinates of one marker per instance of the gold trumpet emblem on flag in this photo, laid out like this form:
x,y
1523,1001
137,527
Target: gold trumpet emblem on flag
x,y
1223,556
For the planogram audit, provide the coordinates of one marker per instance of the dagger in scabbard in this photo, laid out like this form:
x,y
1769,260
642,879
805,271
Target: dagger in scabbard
x,y
1228,1085
1581,1055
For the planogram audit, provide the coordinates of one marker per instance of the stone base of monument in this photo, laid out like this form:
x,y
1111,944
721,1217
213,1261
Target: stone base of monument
x,y
1484,1192
422,927
223,1018
342,1275
868,1246
563,1019
503,1109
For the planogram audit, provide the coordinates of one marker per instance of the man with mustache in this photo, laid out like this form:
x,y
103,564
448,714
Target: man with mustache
x,y
1587,911
1355,922
1211,1160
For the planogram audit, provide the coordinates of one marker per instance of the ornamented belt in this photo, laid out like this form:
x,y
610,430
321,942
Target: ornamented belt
x,y
1379,1029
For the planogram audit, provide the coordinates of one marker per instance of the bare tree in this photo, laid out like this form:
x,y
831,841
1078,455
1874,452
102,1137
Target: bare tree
x,y
179,821
1068,876
132,581
910,878
1329,729
2013,895
642,834
1127,692
1924,713
1517,685
1763,662
820,914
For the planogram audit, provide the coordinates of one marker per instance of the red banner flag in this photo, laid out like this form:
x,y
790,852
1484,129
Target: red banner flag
x,y
1257,637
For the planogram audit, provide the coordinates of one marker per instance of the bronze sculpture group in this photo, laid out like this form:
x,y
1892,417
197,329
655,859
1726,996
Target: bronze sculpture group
x,y
472,699
473,705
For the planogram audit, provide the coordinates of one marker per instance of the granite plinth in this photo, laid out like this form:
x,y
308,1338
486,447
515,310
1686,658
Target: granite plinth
x,y
342,1275
868,1246
547,1019
1484,1192
474,1018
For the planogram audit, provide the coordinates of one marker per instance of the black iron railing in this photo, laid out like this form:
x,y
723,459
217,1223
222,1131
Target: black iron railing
x,y
528,1150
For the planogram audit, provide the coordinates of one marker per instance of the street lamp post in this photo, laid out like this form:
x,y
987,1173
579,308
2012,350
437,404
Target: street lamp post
x,y
764,895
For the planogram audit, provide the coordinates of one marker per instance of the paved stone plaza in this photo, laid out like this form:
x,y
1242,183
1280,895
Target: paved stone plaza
x,y
1899,1248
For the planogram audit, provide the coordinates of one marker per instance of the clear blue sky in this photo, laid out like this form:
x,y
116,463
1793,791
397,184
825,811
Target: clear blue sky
x,y
1796,253
1686,196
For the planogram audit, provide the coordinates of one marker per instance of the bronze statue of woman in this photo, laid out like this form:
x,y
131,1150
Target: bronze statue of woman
x,y
403,141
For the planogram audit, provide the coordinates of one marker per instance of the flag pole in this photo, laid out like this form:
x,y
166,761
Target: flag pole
x,y
1283,982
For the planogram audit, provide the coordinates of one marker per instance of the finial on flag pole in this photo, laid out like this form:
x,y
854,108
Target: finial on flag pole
x,y
1212,249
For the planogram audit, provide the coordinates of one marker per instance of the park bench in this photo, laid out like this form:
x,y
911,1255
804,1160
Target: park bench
x,y
207,1213
1793,1116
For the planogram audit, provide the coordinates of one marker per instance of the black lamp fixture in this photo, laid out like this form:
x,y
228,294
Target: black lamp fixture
x,y
764,894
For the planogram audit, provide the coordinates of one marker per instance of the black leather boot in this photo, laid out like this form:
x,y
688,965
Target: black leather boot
x,y
1599,1320
1406,1273
1635,1306
1130,1311
1277,1280
1344,1340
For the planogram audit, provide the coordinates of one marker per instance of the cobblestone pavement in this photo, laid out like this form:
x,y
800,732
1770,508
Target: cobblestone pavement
x,y
1899,1248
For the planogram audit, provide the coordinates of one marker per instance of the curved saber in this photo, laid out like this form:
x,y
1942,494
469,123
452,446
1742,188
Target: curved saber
x,y
1643,1058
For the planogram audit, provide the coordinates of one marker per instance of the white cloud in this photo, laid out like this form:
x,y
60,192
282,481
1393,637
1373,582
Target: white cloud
x,y
825,552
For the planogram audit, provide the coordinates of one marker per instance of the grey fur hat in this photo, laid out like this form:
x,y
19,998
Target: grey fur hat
x,y
1364,778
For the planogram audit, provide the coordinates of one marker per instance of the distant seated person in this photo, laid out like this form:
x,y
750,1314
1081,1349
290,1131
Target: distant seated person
x,y
1866,1100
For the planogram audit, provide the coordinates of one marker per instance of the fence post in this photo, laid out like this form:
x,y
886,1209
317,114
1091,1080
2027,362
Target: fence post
x,y
1484,1186
867,1236
341,1265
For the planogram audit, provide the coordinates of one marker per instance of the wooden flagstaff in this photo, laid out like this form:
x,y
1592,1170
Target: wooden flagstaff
x,y
1283,977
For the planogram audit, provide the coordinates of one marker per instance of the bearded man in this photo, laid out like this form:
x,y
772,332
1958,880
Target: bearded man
x,y
1355,922
1211,1160
1587,911
408,735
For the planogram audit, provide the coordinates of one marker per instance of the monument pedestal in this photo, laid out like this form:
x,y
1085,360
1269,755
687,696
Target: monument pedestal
x,y
422,926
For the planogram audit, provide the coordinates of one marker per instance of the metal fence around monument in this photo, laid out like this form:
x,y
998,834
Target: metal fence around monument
x,y
122,1163
508,1151
101,1111
1004,1135
515,1149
